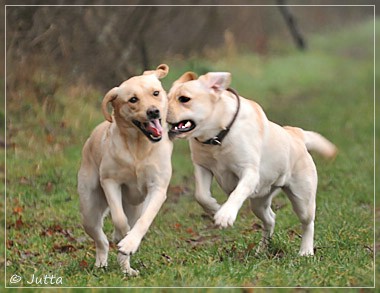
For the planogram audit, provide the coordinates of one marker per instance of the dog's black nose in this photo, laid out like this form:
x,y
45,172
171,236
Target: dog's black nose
x,y
153,113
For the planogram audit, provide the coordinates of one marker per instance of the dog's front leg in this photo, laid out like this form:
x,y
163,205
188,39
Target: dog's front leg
x,y
112,190
246,186
153,202
203,180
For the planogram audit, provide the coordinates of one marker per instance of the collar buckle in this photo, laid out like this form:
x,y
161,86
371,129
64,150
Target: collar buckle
x,y
215,141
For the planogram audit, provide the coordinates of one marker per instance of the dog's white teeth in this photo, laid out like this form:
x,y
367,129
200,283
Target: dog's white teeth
x,y
188,124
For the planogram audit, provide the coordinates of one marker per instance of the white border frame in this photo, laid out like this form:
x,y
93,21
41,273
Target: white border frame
x,y
187,5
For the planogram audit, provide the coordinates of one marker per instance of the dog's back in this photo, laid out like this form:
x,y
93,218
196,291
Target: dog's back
x,y
314,142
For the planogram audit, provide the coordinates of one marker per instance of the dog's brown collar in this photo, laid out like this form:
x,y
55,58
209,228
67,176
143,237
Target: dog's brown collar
x,y
217,140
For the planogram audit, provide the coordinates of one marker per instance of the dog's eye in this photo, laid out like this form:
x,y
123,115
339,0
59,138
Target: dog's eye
x,y
156,93
183,99
133,100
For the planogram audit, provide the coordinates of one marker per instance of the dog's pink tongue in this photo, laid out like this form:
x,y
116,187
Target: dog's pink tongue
x,y
155,127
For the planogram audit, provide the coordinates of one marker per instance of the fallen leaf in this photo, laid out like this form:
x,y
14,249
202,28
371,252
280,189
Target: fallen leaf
x,y
279,253
177,190
177,226
191,231
201,240
83,264
10,244
69,235
49,187
292,234
27,254
19,223
64,248
56,228
257,227
50,138
17,210
24,180
47,232
250,247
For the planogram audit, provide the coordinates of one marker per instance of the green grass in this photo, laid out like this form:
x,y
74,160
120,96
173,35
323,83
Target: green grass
x,y
328,89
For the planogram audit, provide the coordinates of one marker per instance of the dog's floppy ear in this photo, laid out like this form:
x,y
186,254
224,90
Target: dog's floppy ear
x,y
161,71
187,76
218,81
109,97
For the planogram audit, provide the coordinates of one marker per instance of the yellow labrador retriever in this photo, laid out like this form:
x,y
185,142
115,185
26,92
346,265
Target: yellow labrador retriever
x,y
126,166
250,156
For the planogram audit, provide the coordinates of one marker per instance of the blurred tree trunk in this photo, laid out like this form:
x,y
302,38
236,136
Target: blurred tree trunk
x,y
292,25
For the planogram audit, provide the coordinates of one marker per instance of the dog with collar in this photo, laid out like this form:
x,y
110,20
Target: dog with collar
x,y
250,157
126,166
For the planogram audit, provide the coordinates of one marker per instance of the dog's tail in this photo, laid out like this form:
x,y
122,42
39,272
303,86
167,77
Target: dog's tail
x,y
315,142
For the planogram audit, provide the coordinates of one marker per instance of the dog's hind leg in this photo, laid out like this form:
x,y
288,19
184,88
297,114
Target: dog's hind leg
x,y
93,209
133,212
302,194
261,207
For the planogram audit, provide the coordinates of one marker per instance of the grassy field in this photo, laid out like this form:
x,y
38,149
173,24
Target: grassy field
x,y
328,89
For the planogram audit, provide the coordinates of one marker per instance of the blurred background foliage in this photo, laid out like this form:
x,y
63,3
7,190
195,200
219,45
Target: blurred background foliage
x,y
105,45
57,50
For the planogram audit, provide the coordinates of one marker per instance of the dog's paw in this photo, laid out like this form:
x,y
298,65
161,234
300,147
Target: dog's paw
x,y
101,260
306,252
225,217
125,265
131,272
101,263
211,209
129,244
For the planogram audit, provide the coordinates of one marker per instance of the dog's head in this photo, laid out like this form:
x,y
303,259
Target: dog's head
x,y
140,102
192,102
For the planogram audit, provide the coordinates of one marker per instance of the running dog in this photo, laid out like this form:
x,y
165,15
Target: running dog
x,y
126,166
250,156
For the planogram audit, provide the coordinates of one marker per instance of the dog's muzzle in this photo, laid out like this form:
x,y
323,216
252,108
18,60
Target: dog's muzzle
x,y
153,127
181,127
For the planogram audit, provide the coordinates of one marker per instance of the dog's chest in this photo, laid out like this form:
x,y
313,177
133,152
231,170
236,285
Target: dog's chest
x,y
130,173
133,181
133,192
223,167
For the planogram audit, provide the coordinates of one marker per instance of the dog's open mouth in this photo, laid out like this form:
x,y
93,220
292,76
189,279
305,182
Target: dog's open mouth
x,y
152,129
182,127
